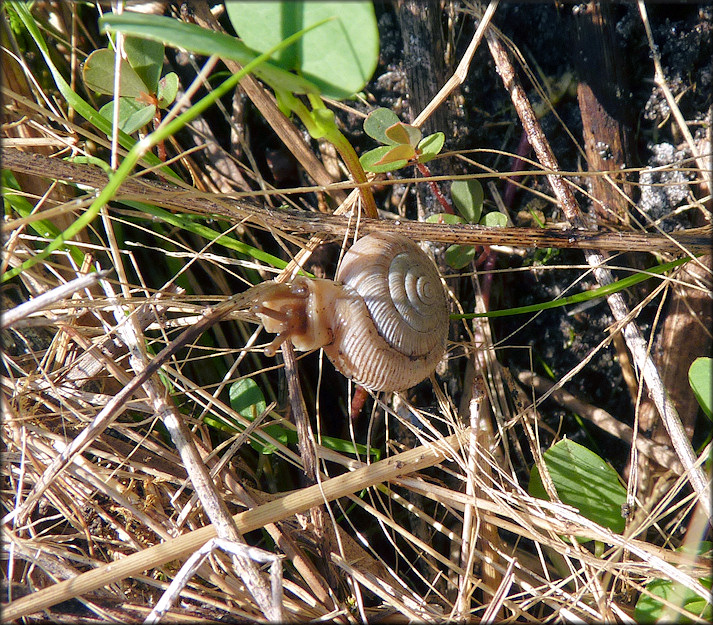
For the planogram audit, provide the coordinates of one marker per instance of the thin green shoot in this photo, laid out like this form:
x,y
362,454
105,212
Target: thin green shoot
x,y
604,291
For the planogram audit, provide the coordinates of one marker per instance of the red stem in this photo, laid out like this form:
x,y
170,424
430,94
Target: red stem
x,y
518,164
436,190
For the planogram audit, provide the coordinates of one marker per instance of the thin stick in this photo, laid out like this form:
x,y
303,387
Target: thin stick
x,y
462,70
597,260
249,211
14,315
305,441
299,501
189,568
461,606
118,9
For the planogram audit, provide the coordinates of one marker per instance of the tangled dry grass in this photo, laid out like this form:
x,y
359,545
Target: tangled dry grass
x,y
123,454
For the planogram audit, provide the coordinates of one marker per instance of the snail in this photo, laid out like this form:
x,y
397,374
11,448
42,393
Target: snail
x,y
383,323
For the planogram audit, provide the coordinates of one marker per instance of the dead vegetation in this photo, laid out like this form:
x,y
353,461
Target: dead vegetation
x,y
126,450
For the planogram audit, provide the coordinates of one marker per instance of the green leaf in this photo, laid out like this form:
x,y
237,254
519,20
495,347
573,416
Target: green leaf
x,y
458,256
43,227
403,133
133,115
700,377
578,298
468,199
445,218
494,219
585,481
650,610
339,57
146,59
370,160
98,74
377,122
275,431
247,399
431,146
203,41
167,90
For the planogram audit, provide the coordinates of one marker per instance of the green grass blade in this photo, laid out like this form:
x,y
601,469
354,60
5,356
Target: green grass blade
x,y
73,99
181,221
43,227
603,291
203,41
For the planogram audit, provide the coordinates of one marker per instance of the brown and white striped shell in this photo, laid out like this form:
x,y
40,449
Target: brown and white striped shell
x,y
383,323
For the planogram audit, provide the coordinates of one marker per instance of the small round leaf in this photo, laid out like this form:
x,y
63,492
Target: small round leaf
x,y
700,377
431,146
494,219
445,218
377,122
459,256
133,115
98,74
403,133
167,90
373,160
146,59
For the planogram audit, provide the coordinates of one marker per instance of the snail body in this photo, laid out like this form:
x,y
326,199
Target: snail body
x,y
383,323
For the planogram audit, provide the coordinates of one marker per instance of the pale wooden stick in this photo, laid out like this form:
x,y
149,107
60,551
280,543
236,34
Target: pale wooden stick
x,y
14,315
189,568
597,260
461,71
271,512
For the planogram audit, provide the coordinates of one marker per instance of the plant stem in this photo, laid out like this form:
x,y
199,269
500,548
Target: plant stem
x,y
436,189
135,154
351,160
321,125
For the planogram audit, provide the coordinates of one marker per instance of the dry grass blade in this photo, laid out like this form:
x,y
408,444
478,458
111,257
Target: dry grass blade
x,y
14,316
196,560
281,508
144,421
245,209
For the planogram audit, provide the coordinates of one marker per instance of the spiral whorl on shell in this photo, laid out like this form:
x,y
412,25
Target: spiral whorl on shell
x,y
383,323
403,337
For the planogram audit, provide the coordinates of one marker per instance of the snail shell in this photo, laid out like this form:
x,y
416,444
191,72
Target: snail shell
x,y
383,323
